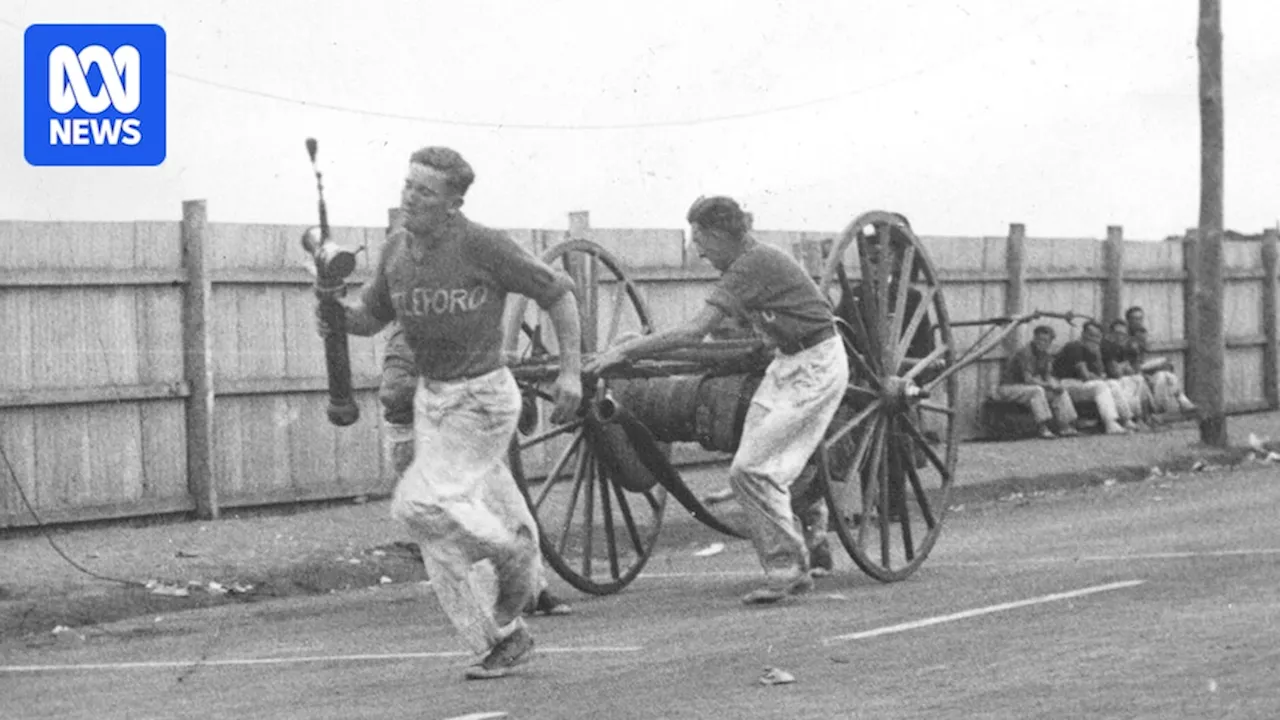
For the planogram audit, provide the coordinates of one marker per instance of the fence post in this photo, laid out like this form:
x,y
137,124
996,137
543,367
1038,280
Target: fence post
x,y
1015,281
1190,311
584,276
1113,264
197,353
1270,351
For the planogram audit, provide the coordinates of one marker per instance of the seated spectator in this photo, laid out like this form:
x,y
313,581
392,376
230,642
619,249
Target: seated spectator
x,y
1027,379
1119,362
1079,366
1166,389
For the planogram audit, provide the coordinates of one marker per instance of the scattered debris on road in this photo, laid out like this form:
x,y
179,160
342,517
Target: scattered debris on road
x,y
712,549
776,676
65,634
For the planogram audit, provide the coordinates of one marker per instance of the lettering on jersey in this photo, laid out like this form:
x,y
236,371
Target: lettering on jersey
x,y
425,302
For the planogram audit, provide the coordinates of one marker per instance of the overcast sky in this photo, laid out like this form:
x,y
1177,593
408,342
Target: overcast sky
x,y
1067,116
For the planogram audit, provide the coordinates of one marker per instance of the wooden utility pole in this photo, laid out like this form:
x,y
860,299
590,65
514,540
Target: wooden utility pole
x,y
1210,347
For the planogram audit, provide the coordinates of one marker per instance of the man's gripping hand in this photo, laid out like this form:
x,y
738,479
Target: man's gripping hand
x,y
568,396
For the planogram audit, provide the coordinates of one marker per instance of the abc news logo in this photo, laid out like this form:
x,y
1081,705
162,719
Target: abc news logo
x,y
95,95
69,89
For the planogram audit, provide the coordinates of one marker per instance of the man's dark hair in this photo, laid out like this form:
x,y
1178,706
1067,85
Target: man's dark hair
x,y
722,214
449,162
1133,309
1044,330
1118,323
1088,324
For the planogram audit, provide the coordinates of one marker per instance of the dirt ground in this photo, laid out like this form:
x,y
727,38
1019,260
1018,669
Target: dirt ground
x,y
167,565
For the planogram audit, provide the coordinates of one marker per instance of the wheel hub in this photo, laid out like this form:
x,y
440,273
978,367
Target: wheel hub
x,y
900,393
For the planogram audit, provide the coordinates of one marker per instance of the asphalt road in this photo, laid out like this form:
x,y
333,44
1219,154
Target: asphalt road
x,y
1144,600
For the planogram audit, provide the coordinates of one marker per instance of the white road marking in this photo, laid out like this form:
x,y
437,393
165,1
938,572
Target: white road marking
x,y
986,611
712,573
479,716
289,660
1182,555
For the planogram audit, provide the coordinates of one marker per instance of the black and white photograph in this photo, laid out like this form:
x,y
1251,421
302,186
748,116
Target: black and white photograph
x,y
704,359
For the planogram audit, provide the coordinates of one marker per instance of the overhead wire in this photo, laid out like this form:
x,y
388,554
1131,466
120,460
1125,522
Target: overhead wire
x,y
639,125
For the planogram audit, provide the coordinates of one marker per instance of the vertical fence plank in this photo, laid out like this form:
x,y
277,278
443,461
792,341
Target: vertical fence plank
x,y
197,352
1113,265
1270,351
1015,282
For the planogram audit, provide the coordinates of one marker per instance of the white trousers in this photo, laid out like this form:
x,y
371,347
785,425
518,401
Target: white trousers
x,y
788,417
461,504
1136,394
1167,394
1098,392
1044,406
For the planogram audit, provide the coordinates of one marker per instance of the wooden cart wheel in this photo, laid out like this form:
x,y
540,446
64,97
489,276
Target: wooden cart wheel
x,y
595,533
889,458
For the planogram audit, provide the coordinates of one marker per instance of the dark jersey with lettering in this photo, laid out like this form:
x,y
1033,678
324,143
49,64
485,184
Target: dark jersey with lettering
x,y
769,287
449,296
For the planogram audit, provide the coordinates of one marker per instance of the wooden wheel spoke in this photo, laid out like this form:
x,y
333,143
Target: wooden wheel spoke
x,y
853,423
902,461
606,509
550,480
588,524
854,389
871,485
867,313
548,434
909,332
884,270
923,444
918,488
925,363
935,407
624,507
653,501
865,443
578,474
882,502
866,368
899,310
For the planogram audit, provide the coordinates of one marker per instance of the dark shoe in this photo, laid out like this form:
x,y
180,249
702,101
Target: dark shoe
x,y
820,561
771,594
548,604
513,650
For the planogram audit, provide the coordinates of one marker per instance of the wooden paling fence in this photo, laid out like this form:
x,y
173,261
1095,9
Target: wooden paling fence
x,y
163,367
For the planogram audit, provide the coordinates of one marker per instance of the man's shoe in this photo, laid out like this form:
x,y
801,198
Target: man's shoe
x,y
548,604
515,649
820,561
1047,434
772,594
1068,431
